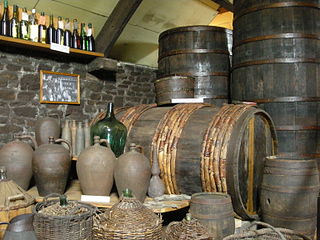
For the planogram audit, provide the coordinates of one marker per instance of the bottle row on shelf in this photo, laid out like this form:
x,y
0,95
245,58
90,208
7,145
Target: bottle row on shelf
x,y
35,28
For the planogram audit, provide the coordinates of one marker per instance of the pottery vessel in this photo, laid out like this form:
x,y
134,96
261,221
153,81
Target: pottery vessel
x,y
51,164
95,167
156,186
16,156
46,127
133,171
20,228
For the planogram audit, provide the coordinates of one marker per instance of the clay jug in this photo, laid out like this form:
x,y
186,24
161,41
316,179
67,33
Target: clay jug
x,y
95,167
16,156
46,127
156,186
133,171
51,164
20,228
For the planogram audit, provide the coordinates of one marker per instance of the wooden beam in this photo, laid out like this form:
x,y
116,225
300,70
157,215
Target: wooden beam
x,y
225,4
114,25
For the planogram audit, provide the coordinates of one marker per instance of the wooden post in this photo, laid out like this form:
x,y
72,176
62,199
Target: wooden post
x,y
114,25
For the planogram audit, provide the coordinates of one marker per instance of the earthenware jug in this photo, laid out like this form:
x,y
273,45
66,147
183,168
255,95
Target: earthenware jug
x,y
111,129
51,164
16,156
20,228
95,167
46,127
133,171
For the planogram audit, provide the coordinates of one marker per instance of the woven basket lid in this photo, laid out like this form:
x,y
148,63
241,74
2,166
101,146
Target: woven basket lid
x,y
131,216
187,229
13,197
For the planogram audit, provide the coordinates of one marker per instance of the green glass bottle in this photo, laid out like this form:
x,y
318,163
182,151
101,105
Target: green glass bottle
x,y
111,129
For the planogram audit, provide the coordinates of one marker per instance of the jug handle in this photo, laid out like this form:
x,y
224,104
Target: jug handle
x,y
29,137
106,142
14,198
141,149
59,140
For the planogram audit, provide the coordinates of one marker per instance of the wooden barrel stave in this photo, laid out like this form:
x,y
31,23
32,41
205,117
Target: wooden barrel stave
x,y
276,64
186,168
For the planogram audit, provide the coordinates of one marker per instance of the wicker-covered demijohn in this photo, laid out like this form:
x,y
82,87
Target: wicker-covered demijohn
x,y
129,219
13,200
268,232
56,221
187,229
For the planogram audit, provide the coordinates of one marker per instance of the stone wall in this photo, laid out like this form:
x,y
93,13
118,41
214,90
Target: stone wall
x,y
19,91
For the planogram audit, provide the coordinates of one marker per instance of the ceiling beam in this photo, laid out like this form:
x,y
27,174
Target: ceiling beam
x,y
225,4
114,25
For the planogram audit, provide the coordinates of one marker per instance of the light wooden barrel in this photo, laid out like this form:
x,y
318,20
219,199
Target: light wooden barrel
x,y
206,148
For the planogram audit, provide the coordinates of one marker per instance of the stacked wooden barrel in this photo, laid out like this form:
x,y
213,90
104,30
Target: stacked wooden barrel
x,y
206,148
276,63
200,52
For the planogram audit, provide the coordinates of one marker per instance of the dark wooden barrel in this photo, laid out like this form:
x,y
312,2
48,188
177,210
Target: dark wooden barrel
x,y
172,87
206,148
200,52
276,63
289,194
215,212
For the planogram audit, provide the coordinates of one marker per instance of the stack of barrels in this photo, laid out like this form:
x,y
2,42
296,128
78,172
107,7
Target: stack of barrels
x,y
201,53
276,63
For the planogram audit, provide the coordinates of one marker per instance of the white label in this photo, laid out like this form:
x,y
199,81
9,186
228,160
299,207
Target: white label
x,y
24,16
59,48
34,33
60,24
24,31
89,32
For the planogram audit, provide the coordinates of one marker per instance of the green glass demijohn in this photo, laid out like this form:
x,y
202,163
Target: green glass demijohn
x,y
112,130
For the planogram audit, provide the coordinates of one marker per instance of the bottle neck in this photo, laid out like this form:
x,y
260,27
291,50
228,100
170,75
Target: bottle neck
x,y
110,113
51,21
3,174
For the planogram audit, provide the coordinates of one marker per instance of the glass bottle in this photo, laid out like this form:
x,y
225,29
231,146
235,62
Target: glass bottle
x,y
33,27
14,23
111,129
83,36
42,28
90,43
24,34
67,33
5,22
75,35
51,32
63,200
60,31
3,173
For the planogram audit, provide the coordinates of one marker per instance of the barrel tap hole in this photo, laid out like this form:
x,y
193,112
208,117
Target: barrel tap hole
x,y
268,201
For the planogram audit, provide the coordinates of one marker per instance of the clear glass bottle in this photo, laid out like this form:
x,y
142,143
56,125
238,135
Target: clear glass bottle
x,y
111,129
42,28
14,23
33,27
24,34
90,43
5,22
60,31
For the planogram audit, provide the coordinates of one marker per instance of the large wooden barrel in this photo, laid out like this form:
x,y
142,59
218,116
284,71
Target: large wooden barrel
x,y
200,52
206,148
276,63
215,212
289,194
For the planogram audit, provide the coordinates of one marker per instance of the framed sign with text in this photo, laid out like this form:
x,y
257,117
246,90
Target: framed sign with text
x,y
56,87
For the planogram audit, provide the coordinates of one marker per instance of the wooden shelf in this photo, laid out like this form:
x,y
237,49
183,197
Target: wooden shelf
x,y
74,193
75,54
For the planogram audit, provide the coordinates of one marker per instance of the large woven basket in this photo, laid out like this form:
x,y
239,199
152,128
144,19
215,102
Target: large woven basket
x,y
69,227
267,233
129,219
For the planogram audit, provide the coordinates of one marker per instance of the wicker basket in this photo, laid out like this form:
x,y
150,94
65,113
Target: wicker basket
x,y
187,229
129,219
267,233
69,227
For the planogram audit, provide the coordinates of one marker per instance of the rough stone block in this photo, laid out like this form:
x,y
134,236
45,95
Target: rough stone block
x,y
30,82
30,112
7,94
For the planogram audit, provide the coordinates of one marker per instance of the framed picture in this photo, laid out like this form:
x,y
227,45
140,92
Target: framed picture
x,y
56,87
